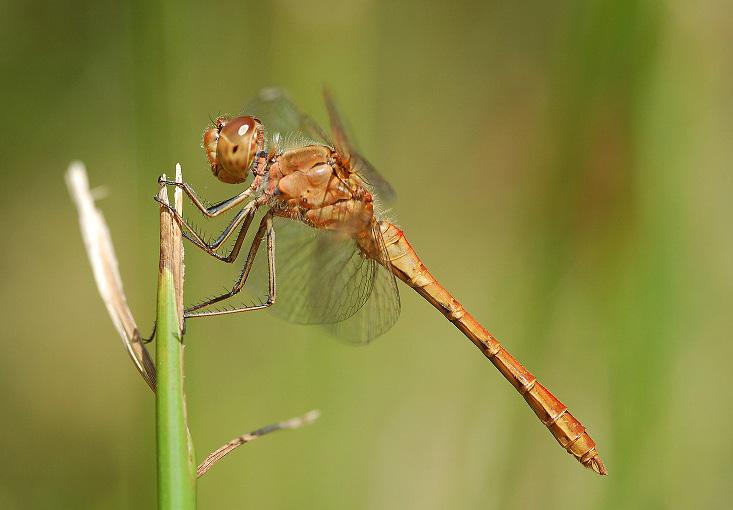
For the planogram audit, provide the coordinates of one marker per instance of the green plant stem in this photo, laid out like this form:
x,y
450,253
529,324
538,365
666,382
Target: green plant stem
x,y
176,462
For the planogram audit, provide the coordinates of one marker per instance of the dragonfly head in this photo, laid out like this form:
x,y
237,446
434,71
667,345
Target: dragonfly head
x,y
231,146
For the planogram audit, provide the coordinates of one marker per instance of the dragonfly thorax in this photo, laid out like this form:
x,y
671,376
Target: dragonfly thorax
x,y
314,184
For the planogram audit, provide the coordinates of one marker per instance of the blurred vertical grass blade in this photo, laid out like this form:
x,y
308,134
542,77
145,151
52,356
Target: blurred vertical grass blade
x,y
101,253
176,459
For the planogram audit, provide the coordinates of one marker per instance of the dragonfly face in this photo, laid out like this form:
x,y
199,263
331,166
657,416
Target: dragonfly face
x,y
231,146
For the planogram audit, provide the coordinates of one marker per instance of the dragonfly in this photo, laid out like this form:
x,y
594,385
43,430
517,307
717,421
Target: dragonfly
x,y
338,257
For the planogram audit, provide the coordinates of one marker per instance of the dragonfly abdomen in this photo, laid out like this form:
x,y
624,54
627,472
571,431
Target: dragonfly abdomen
x,y
566,429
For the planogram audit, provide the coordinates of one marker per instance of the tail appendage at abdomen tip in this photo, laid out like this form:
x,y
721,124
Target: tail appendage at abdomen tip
x,y
566,429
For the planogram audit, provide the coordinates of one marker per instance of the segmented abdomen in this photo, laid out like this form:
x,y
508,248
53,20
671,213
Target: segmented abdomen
x,y
568,431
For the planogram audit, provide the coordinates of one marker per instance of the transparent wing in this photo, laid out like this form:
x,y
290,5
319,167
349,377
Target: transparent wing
x,y
359,164
323,278
285,126
372,178
381,310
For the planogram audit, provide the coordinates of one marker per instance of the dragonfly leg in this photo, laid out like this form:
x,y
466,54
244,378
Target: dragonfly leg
x,y
234,253
267,230
243,218
214,210
149,338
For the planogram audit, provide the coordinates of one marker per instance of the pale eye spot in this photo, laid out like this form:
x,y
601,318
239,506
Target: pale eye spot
x,y
243,129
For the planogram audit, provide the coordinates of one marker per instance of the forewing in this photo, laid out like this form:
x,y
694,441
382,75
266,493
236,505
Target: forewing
x,y
359,164
372,178
285,125
322,276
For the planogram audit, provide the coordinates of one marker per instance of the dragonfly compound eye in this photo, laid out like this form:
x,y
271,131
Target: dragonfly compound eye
x,y
211,139
236,145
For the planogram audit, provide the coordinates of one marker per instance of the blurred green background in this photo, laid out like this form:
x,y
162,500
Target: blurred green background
x,y
563,167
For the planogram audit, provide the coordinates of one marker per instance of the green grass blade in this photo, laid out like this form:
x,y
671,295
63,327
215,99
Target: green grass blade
x,y
176,462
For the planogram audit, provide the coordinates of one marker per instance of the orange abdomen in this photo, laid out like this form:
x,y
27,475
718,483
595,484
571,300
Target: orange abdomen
x,y
568,431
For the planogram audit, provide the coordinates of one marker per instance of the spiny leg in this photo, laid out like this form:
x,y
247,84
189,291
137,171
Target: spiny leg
x,y
264,229
244,217
214,210
234,253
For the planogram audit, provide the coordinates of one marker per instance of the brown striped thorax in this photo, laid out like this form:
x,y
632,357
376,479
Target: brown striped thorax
x,y
231,146
313,182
